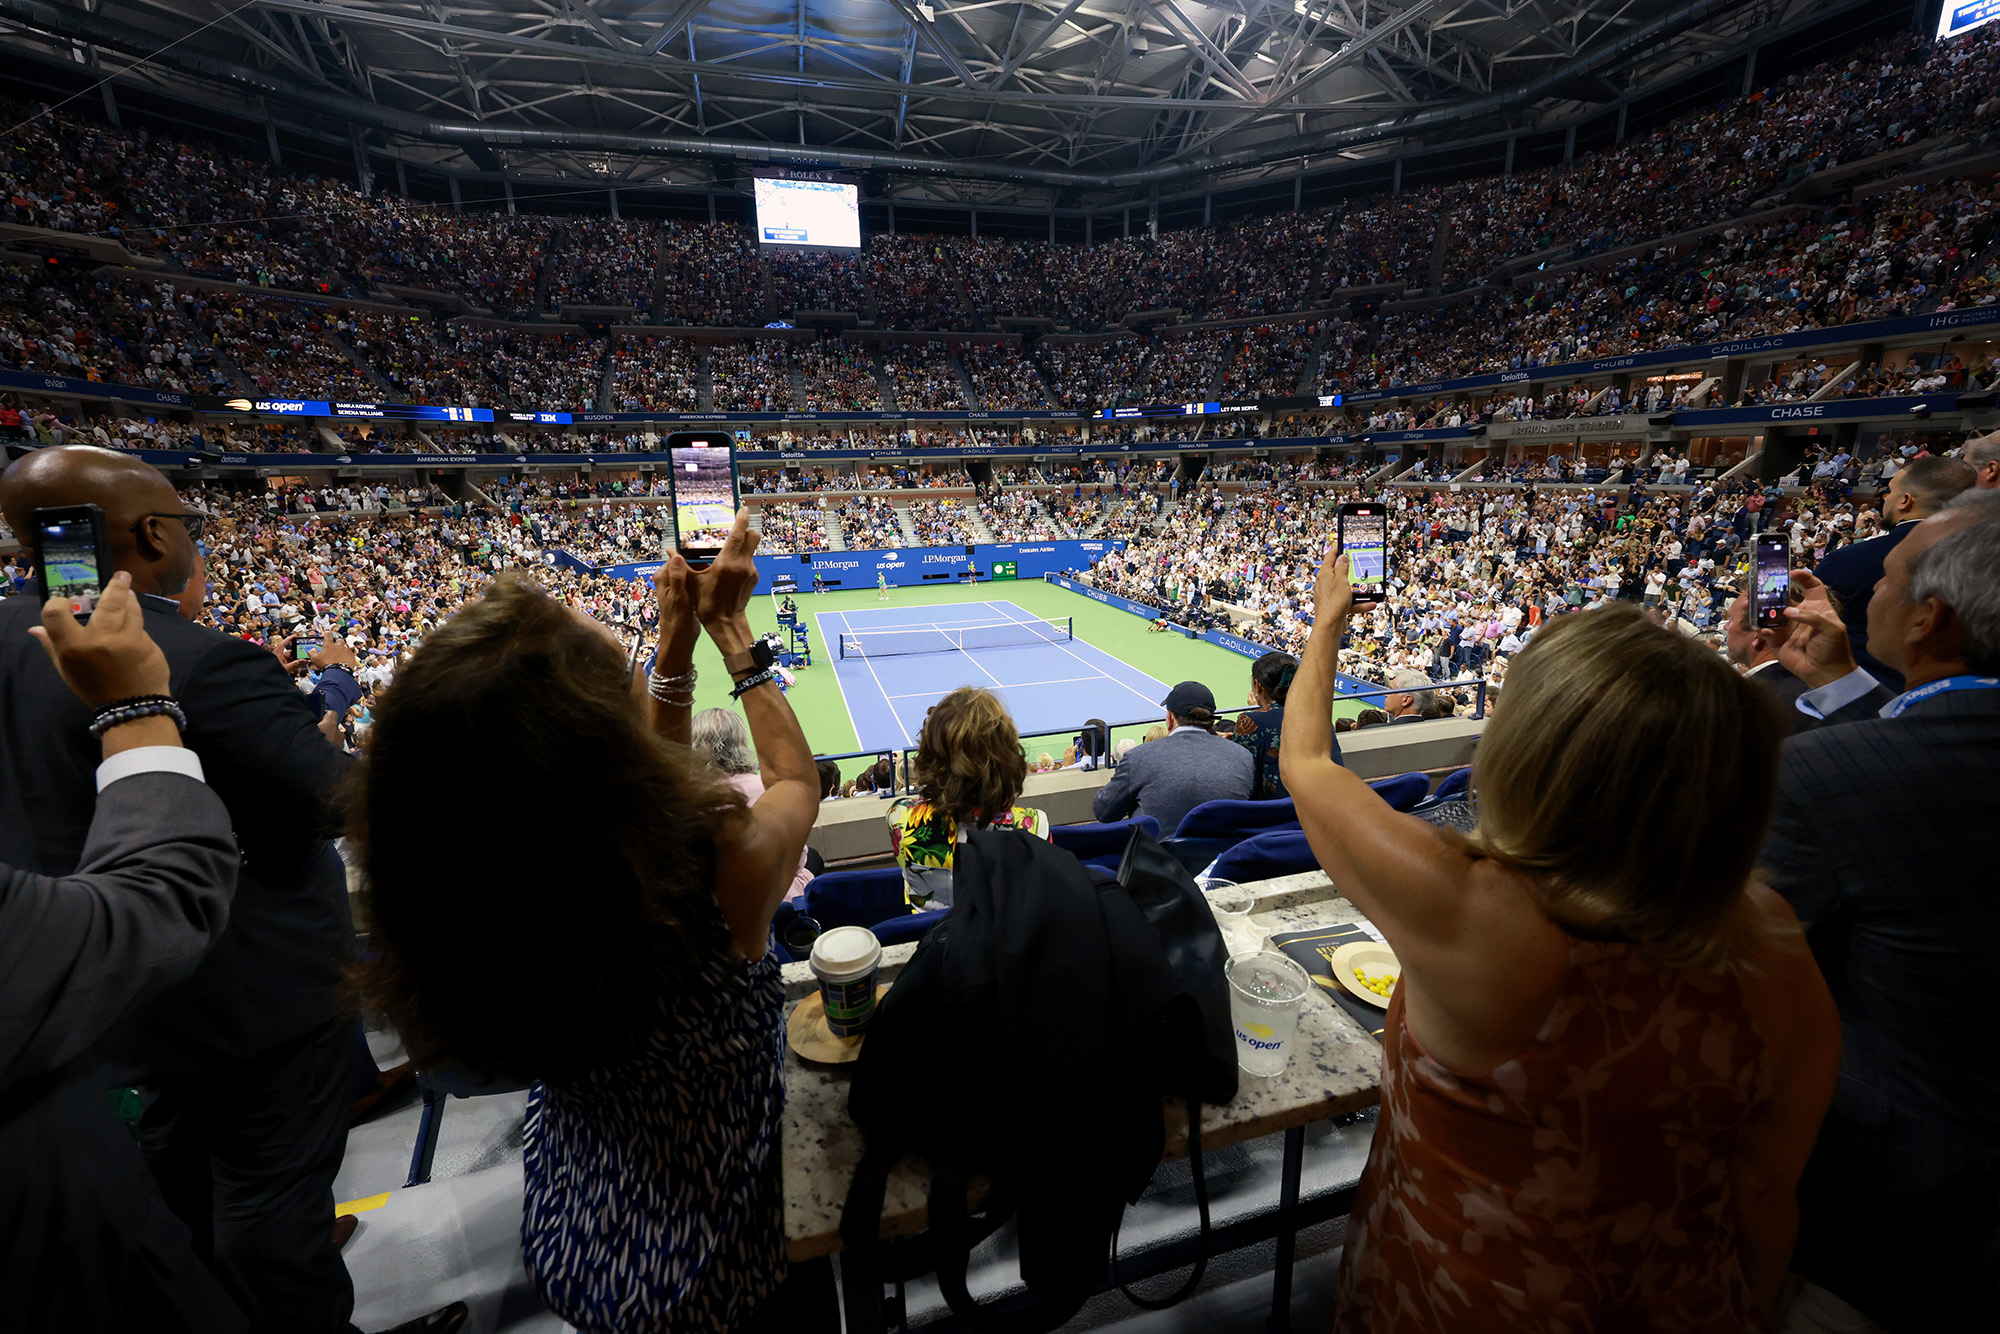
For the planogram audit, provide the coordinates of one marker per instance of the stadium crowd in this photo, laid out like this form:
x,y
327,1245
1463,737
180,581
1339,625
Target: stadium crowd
x,y
1693,1015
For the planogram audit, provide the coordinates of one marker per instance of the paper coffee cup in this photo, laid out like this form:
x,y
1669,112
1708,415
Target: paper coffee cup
x,y
846,961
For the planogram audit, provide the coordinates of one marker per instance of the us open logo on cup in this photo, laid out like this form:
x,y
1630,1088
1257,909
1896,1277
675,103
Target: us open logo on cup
x,y
1258,1036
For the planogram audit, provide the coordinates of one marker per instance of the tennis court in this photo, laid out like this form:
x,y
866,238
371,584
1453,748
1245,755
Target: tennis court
x,y
899,661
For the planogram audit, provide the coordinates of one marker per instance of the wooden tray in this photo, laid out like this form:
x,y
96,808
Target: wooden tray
x,y
810,1039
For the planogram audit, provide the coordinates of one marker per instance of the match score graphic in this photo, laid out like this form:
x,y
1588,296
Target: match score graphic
x,y
1956,17
818,214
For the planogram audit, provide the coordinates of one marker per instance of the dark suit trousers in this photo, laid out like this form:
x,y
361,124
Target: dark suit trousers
x,y
246,1155
1899,1219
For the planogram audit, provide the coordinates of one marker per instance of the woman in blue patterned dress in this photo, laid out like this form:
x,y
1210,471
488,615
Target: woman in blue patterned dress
x,y
560,891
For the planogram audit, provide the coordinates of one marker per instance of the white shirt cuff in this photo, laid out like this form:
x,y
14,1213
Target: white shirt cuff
x,y
149,760
1834,696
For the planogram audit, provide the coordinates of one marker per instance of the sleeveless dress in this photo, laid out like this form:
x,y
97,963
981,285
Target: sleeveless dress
x,y
654,1199
1580,1188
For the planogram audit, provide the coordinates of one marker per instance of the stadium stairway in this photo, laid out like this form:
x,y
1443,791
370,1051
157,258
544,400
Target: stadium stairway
x,y
972,402
902,509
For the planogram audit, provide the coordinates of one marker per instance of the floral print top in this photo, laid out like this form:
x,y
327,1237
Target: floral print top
x,y
925,839
1582,1186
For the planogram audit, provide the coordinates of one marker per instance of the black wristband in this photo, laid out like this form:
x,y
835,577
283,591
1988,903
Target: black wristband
x,y
751,682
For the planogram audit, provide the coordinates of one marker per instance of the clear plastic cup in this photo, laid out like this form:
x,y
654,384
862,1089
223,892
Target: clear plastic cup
x,y
1231,905
1266,990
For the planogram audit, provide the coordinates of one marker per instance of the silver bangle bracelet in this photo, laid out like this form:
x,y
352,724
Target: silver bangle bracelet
x,y
661,687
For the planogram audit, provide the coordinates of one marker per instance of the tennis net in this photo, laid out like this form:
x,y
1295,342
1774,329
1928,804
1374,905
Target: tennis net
x,y
951,639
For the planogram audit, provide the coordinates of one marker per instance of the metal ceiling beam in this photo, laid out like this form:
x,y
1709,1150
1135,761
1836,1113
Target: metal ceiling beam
x,y
1190,32
1034,44
664,64
927,34
681,16
67,23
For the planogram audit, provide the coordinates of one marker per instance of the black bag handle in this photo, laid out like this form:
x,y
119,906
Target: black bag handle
x,y
1028,1313
1194,1278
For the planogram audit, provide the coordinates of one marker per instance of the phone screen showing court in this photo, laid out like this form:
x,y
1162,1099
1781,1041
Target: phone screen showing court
x,y
1774,579
704,496
1364,537
69,563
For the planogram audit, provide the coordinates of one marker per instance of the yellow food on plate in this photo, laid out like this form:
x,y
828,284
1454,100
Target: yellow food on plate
x,y
1379,983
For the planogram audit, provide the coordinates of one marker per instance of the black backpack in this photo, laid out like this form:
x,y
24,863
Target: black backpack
x,y
1029,1041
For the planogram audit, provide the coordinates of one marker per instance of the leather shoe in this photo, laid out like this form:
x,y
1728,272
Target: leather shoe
x,y
444,1320
343,1230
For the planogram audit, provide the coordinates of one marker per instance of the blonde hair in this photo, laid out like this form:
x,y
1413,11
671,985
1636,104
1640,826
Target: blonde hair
x,y
1630,777
969,760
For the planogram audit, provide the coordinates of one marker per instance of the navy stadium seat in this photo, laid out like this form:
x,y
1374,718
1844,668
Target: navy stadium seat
x,y
1402,791
1100,844
909,927
1457,786
1224,819
856,898
1268,855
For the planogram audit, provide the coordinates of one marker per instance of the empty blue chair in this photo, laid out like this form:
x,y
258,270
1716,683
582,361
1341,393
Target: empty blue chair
x,y
1456,786
856,898
1280,852
1100,844
1237,819
1403,791
909,927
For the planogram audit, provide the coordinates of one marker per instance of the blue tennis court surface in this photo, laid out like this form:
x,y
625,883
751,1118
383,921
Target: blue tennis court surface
x,y
1048,687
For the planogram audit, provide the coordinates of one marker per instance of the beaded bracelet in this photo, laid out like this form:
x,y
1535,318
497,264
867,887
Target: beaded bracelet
x,y
131,710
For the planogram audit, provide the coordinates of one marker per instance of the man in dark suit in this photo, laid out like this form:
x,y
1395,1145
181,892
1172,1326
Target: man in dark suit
x,y
86,1242
249,1055
1754,649
1916,492
1414,700
1881,839
1190,765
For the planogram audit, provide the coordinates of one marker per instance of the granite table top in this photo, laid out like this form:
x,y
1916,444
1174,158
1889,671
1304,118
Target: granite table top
x,y
1335,1069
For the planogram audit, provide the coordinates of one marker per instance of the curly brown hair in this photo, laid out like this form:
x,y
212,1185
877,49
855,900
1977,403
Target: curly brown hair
x,y
546,944
969,759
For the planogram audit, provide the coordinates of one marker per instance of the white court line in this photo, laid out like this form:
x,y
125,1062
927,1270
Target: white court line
x,y
842,690
1102,674
920,623
1019,685
908,740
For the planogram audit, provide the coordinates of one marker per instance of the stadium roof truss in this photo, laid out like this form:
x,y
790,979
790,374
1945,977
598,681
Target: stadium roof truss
x,y
979,97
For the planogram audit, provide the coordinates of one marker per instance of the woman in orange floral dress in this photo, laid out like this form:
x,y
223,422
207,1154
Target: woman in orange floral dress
x,y
1608,1054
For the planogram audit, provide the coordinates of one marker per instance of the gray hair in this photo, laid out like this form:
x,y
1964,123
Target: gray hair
x,y
1417,683
722,736
1981,451
1962,570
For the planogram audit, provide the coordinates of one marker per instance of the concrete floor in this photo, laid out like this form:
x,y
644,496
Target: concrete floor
x,y
457,1238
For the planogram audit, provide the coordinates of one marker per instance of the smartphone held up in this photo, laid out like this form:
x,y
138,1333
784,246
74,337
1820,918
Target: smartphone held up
x,y
1772,579
1362,530
74,556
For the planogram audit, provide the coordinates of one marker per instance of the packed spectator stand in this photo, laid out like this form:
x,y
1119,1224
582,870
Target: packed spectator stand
x,y
1498,560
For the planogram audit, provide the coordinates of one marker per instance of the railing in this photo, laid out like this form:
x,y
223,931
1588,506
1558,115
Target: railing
x,y
905,786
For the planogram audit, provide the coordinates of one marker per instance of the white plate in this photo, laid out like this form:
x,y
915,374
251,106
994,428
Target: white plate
x,y
1377,959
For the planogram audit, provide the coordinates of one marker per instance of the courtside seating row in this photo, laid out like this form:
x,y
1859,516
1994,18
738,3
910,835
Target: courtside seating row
x,y
1237,841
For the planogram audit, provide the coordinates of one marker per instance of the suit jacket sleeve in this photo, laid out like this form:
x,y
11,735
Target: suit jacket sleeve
x,y
1859,710
149,896
258,735
1119,797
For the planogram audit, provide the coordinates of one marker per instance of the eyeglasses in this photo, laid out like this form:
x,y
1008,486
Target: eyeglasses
x,y
193,520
